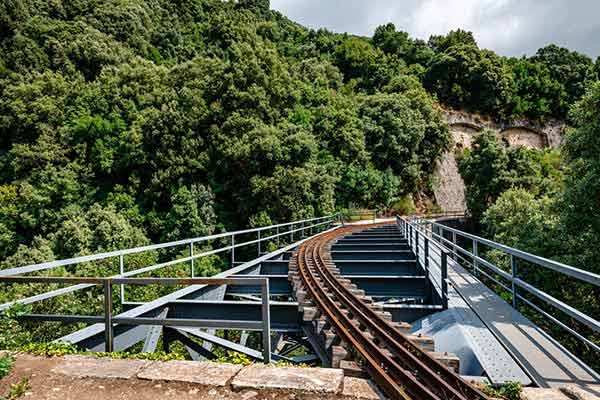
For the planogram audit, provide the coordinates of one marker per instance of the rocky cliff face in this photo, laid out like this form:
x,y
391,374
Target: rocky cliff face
x,y
449,188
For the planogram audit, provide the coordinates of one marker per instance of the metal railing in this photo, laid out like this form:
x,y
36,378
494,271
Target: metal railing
x,y
428,254
517,287
107,296
302,227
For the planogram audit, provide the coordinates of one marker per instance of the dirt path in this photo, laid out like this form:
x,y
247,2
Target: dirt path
x,y
48,384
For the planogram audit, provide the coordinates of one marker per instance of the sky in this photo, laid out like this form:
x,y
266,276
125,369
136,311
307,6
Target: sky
x,y
509,27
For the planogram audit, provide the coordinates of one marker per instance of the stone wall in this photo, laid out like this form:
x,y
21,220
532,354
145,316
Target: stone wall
x,y
449,188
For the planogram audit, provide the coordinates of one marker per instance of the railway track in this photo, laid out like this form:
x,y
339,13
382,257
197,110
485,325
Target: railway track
x,y
400,368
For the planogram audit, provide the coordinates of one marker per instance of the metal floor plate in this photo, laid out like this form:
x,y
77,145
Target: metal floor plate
x,y
460,331
509,342
545,360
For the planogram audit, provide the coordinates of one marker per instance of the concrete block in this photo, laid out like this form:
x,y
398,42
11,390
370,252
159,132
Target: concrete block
x,y
330,339
580,393
316,380
424,342
357,388
448,359
310,314
542,394
338,353
203,373
402,327
103,368
351,368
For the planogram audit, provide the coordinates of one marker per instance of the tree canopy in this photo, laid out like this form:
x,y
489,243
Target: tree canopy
x,y
169,120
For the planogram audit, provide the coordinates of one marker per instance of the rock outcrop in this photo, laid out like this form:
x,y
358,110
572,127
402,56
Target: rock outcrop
x,y
449,188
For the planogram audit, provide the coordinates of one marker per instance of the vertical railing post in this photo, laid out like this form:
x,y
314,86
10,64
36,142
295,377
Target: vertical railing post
x,y
475,256
374,215
417,247
192,259
121,272
108,315
277,236
444,279
426,244
416,241
258,244
513,268
302,231
454,255
292,233
232,251
266,320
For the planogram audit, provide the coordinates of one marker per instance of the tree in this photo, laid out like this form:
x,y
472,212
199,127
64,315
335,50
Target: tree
x,y
397,128
572,69
483,170
398,43
465,77
259,6
12,13
441,43
581,204
537,94
489,169
520,219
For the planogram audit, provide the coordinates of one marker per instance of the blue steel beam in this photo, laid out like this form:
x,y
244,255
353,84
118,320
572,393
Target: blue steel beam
x,y
284,315
372,255
127,336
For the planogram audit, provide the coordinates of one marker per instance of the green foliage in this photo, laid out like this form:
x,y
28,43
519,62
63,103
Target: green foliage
x,y
463,76
398,43
459,37
581,202
572,69
398,130
155,356
124,123
233,357
537,93
508,391
517,218
51,349
12,334
490,168
404,206
6,363
17,390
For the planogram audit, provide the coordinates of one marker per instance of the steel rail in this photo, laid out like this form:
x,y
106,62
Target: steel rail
x,y
350,335
413,356
409,371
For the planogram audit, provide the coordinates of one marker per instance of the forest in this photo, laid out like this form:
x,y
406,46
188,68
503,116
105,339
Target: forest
x,y
129,122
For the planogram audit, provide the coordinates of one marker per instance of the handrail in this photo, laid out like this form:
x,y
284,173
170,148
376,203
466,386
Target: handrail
x,y
312,224
428,229
135,250
414,236
583,275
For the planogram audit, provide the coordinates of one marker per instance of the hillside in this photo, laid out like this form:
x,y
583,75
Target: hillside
x,y
137,121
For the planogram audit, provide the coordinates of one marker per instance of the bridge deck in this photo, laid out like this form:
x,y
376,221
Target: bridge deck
x,y
545,360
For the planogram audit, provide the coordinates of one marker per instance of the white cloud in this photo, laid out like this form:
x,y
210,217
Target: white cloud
x,y
510,27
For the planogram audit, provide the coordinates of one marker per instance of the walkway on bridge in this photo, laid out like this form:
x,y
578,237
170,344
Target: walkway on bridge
x,y
546,362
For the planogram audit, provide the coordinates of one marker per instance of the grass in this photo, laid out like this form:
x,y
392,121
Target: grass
x,y
6,363
508,391
17,390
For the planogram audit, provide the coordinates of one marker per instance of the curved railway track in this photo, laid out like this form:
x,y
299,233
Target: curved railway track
x,y
400,368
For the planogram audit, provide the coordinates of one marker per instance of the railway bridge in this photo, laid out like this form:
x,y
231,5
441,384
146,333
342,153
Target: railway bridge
x,y
422,308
